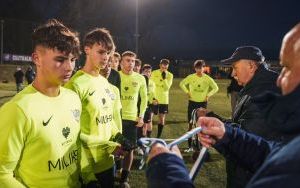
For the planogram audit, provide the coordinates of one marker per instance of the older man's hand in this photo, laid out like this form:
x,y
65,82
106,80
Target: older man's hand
x,y
213,130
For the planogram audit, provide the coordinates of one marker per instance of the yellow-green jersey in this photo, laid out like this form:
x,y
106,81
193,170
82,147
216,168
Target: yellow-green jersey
x,y
132,86
117,106
39,140
199,87
151,91
97,125
162,85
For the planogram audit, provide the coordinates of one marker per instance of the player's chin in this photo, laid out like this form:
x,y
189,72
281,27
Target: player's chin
x,y
66,78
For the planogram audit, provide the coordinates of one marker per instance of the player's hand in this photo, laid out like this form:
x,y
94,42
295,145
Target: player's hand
x,y
213,130
158,149
163,75
201,112
140,122
126,144
155,102
119,151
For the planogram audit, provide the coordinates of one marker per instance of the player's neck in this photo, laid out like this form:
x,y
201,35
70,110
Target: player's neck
x,y
46,88
199,74
92,70
127,72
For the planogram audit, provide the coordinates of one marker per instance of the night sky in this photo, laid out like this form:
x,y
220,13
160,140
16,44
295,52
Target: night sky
x,y
178,29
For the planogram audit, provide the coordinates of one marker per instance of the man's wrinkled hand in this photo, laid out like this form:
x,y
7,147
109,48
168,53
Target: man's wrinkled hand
x,y
213,130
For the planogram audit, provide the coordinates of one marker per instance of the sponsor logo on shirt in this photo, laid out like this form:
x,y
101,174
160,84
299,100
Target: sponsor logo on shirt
x,y
63,162
104,119
134,84
129,98
45,123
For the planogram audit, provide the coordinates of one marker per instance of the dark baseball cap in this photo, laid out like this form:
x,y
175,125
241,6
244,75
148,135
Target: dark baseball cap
x,y
245,52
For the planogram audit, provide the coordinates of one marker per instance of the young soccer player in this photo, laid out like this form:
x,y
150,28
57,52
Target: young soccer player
x,y
98,130
132,85
199,87
163,80
40,125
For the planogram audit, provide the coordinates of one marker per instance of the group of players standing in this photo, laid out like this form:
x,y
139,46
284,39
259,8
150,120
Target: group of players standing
x,y
64,130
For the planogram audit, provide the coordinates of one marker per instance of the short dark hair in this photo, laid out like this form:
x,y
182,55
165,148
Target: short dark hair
x,y
138,62
54,35
146,66
100,36
128,53
117,55
164,61
199,63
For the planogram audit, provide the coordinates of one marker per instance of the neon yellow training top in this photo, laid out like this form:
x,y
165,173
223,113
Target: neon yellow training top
x,y
38,140
132,86
117,106
162,85
199,87
151,91
97,125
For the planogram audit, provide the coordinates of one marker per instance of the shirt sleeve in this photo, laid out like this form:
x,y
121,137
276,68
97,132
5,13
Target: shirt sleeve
x,y
167,170
183,84
152,94
144,98
13,135
167,83
214,87
117,111
237,144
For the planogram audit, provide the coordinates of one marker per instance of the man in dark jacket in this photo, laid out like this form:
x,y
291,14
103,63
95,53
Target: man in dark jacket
x,y
30,75
275,164
251,72
19,78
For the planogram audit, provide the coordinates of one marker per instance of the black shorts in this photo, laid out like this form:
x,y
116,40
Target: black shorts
x,y
129,130
194,105
147,115
160,109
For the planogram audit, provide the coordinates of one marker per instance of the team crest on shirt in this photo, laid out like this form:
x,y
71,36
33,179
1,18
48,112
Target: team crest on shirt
x,y
134,84
103,101
126,88
76,114
66,131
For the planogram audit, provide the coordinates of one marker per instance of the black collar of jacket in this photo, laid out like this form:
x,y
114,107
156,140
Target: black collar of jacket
x,y
263,79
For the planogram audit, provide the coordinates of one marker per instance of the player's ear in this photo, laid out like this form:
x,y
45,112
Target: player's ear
x,y
35,58
87,50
